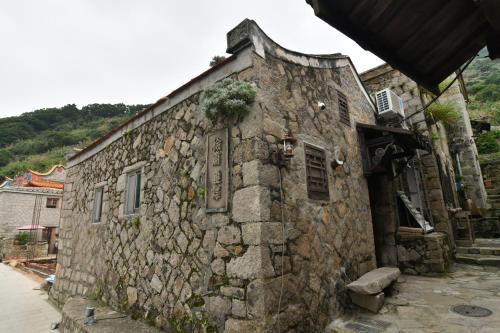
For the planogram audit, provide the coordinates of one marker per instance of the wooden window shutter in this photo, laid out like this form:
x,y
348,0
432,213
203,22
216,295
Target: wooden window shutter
x,y
316,173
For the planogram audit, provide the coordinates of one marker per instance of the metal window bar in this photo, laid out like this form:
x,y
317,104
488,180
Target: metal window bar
x,y
343,109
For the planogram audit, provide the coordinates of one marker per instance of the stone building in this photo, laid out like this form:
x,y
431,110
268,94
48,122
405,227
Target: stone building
x,y
31,199
173,216
454,159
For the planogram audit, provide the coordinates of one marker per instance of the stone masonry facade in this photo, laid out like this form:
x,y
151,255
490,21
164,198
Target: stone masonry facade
x,y
257,266
431,170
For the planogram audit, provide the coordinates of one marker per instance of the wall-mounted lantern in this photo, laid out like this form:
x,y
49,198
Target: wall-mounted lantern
x,y
282,156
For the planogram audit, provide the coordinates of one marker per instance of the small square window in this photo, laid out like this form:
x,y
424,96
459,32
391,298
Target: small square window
x,y
343,109
52,202
316,172
98,204
133,192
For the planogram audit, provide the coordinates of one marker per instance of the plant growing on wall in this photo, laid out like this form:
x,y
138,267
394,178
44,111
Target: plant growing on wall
x,y
441,112
136,222
227,99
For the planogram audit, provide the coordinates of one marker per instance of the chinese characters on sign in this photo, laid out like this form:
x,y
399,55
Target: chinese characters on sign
x,y
217,171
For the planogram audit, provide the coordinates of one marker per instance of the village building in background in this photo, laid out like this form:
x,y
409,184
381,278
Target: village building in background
x,y
262,222
30,207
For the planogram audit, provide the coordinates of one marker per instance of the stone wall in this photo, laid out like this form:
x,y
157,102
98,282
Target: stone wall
x,y
435,206
327,241
424,255
174,261
9,250
461,135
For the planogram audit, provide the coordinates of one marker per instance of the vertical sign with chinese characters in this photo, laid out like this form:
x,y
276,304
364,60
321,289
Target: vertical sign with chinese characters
x,y
217,171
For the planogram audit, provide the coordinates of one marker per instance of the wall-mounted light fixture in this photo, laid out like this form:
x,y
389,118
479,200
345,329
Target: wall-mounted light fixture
x,y
336,158
282,156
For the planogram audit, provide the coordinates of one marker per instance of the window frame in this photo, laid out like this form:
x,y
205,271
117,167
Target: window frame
x,y
316,160
98,206
343,106
135,187
56,204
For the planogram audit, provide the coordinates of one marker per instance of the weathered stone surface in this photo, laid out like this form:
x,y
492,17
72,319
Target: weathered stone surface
x,y
257,173
169,143
218,266
255,263
229,235
233,292
375,281
156,283
238,308
218,307
370,302
262,233
241,326
251,204
131,295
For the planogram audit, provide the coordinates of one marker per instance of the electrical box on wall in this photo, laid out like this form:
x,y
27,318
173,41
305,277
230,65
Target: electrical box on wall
x,y
389,105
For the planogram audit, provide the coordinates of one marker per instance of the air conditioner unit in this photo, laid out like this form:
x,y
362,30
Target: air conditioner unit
x,y
389,105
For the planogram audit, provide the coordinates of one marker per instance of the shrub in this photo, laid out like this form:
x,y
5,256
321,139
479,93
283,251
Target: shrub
x,y
22,237
217,60
227,99
443,112
487,142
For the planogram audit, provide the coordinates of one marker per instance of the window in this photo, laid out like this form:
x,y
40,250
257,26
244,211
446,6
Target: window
x,y
98,204
52,202
133,192
343,109
316,173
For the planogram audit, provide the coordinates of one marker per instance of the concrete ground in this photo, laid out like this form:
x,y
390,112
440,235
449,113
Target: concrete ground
x,y
423,304
22,309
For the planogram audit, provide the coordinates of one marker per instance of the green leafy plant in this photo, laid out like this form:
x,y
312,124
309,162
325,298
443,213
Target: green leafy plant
x,y
441,112
22,237
201,192
487,142
136,222
191,323
227,99
217,60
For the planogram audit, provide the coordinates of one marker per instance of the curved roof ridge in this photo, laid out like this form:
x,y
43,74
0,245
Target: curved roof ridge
x,y
48,172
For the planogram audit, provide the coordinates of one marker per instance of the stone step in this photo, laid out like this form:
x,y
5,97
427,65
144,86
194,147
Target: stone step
x,y
492,251
493,191
478,259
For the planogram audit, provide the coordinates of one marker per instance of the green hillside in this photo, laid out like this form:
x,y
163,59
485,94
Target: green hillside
x,y
482,79
40,139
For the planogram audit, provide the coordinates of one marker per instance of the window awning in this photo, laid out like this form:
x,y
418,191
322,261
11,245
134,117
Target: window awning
x,y
427,40
380,145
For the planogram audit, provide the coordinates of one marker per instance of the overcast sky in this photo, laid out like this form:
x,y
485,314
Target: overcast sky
x,y
57,52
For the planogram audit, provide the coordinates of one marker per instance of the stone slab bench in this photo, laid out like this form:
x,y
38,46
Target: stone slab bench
x,y
108,320
367,291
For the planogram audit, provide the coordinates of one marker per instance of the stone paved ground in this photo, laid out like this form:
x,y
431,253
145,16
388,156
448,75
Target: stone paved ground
x,y
422,304
22,309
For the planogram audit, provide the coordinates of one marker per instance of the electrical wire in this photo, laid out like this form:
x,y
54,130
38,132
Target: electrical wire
x,y
441,93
